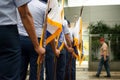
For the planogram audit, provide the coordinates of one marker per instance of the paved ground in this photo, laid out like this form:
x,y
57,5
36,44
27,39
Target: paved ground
x,y
82,73
86,75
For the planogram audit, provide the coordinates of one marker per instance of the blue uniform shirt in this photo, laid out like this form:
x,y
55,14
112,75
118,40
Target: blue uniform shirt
x,y
8,14
65,27
37,9
65,30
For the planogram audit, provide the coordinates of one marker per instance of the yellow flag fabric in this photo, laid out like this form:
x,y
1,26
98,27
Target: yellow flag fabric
x,y
54,21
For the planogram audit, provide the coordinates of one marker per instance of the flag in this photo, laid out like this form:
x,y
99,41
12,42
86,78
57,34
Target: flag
x,y
78,42
52,28
54,21
78,33
60,37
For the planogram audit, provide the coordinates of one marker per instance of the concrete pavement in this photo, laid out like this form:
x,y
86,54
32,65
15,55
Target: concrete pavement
x,y
82,73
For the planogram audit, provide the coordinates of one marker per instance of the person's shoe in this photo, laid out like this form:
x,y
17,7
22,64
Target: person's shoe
x,y
107,76
97,76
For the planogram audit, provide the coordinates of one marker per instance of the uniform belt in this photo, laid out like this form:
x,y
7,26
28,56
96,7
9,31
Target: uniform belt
x,y
7,25
28,36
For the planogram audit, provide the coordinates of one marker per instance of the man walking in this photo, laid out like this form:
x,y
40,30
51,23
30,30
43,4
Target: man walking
x,y
104,58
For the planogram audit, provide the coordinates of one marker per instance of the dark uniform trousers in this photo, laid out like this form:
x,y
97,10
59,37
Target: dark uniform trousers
x,y
51,73
61,63
49,63
70,70
29,56
10,53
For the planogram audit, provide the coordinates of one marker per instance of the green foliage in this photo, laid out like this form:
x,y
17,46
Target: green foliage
x,y
115,29
95,46
101,28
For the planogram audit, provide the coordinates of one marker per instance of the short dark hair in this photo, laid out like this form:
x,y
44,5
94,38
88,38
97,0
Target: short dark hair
x,y
68,22
44,0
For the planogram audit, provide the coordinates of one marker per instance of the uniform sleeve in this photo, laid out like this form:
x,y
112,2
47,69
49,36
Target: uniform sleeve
x,y
65,28
19,3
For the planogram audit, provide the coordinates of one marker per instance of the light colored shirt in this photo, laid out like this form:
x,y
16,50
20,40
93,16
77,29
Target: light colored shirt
x,y
65,27
8,13
37,9
71,34
65,30
103,48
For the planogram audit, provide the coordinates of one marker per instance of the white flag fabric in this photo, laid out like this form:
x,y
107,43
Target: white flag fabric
x,y
54,21
78,42
77,32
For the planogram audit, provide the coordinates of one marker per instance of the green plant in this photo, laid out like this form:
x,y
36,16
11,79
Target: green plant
x,y
95,46
99,28
115,29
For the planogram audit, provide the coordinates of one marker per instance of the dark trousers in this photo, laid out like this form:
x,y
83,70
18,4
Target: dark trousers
x,y
70,71
61,62
53,72
10,53
106,65
49,63
29,56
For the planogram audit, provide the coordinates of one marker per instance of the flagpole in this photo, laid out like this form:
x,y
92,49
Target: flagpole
x,y
60,48
81,11
80,33
42,44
